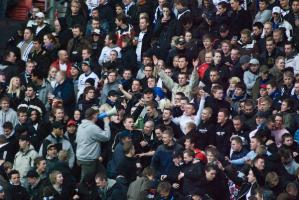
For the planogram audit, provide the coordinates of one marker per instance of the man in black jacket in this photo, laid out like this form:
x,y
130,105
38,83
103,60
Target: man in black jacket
x,y
8,65
143,38
205,129
15,188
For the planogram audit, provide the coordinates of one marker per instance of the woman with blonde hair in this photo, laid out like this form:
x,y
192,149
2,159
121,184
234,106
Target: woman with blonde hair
x,y
51,76
58,188
15,92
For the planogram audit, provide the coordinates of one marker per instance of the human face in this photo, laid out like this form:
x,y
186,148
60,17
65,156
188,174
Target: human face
x,y
234,5
214,76
129,124
85,54
244,38
27,35
41,167
175,62
23,144
288,50
262,6
127,75
284,3
166,139
253,68
234,55
168,72
148,71
217,58
209,57
267,29
37,46
210,175
187,158
277,36
151,83
148,128
207,43
111,77
71,129
59,179
166,115
77,115
118,10
188,36
288,80
76,32
5,105
57,26
95,24
15,179
59,115
288,141
158,134
270,46
237,125
63,56
101,183
52,152
221,118
150,111
205,115
256,31
278,122
210,157
90,94
143,24
23,117
53,72
136,86
218,94
253,144
183,63
189,110
225,48
182,79
75,8
295,7
260,164
238,92
284,106
236,147
33,116
280,64
250,177
47,41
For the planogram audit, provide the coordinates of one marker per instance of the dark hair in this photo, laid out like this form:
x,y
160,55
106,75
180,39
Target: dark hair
x,y
12,172
7,125
78,26
259,25
113,37
37,72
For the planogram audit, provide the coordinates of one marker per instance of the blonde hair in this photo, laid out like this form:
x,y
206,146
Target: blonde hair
x,y
11,88
53,176
234,80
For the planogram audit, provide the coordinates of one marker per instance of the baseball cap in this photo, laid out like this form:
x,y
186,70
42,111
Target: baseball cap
x,y
223,28
244,59
40,15
51,145
125,133
71,123
276,9
96,32
32,174
58,125
264,68
254,61
180,41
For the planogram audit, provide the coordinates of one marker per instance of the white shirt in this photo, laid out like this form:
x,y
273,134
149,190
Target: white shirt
x,y
139,46
63,67
83,78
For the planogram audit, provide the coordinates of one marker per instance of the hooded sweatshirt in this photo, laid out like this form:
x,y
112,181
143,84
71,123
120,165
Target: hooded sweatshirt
x,y
88,139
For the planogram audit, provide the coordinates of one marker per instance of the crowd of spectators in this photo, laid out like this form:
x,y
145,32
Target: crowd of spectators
x,y
152,99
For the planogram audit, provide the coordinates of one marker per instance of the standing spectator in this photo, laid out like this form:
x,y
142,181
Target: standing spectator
x,y
26,45
9,65
89,136
7,114
62,63
24,159
16,190
41,27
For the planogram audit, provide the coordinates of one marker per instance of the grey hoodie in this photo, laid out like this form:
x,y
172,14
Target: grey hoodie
x,y
88,139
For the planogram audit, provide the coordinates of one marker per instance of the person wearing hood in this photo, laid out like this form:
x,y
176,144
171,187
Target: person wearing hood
x,y
62,32
89,138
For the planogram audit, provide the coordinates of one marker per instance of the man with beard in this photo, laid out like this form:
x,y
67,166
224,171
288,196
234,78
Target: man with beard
x,y
76,44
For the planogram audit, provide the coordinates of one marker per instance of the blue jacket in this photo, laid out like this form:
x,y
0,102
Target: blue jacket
x,y
66,93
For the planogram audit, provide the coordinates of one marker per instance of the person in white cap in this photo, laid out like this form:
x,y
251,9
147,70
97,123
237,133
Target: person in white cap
x,y
41,28
279,22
